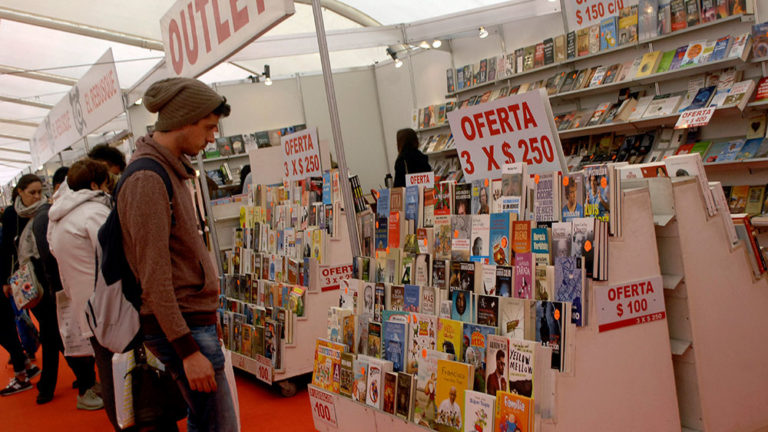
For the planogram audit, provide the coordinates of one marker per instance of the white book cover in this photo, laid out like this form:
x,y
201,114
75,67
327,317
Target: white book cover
x,y
423,336
489,280
662,107
376,370
512,317
639,110
521,361
479,411
562,235
480,237
691,165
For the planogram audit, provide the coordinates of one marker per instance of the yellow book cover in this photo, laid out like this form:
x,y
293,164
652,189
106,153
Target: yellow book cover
x,y
513,412
453,380
326,372
449,337
648,64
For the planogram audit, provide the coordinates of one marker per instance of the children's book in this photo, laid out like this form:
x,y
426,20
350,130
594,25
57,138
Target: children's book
x,y
394,343
474,350
480,410
513,413
453,380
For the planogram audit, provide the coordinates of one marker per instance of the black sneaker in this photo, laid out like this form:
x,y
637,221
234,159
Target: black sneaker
x,y
43,398
33,371
16,386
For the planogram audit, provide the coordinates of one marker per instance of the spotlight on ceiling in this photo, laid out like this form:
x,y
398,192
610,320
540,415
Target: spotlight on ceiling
x,y
424,45
483,33
398,62
267,79
393,54
436,43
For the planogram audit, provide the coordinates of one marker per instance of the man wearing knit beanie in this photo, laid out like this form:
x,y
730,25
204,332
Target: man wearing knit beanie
x,y
167,254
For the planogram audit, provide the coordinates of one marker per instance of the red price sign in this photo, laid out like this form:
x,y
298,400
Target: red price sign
x,y
301,155
264,369
331,277
323,406
630,303
695,118
585,13
518,128
427,179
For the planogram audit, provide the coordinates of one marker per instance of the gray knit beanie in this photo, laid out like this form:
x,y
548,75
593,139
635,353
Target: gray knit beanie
x,y
180,102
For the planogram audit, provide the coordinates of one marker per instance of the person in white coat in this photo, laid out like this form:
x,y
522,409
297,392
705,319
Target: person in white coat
x,y
79,209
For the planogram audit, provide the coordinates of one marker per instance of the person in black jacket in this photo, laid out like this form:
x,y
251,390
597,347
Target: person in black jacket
x,y
409,159
27,197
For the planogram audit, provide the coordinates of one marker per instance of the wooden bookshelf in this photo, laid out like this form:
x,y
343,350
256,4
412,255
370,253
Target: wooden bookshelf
x,y
638,45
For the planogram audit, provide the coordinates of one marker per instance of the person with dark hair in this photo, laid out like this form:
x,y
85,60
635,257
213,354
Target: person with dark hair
x,y
409,159
245,178
27,199
114,158
167,254
77,213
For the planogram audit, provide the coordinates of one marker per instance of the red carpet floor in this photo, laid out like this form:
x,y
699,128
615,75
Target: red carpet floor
x,y
261,407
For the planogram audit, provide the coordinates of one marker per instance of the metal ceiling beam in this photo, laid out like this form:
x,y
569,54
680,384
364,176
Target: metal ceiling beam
x,y
3,149
40,76
81,29
14,137
25,102
19,122
346,11
18,161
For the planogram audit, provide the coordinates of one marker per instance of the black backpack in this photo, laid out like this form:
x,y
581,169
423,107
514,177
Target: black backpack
x,y
113,309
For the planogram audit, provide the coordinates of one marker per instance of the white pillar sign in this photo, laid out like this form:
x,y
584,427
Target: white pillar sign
x,y
630,303
518,128
301,155
92,102
199,34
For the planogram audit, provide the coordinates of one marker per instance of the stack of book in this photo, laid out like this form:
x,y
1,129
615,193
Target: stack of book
x,y
433,115
239,144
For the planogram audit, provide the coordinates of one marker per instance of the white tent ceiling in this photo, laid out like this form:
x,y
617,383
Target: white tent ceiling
x,y
46,47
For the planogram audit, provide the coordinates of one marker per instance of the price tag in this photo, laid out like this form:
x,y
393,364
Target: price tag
x,y
695,118
517,128
301,155
332,276
263,369
585,13
426,179
323,406
630,303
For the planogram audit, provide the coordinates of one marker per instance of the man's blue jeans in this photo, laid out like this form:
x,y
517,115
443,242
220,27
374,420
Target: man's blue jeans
x,y
212,412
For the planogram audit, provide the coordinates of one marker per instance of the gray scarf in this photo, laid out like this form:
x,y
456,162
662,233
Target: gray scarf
x,y
27,243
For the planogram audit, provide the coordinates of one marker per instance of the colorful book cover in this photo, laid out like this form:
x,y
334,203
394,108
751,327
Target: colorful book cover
x,y
462,306
679,17
360,386
377,368
480,238
488,310
373,348
569,286
406,390
474,350
608,33
480,198
327,369
440,273
521,365
412,204
480,410
425,409
390,389
463,199
423,329
597,187
382,216
504,281
449,337
453,380
573,195
550,330
497,365
540,246
347,374
521,237
628,25
394,343
524,275
499,238
513,413
461,241
443,198
513,316
429,207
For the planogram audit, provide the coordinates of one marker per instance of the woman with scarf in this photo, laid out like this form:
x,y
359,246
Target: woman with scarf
x,y
27,199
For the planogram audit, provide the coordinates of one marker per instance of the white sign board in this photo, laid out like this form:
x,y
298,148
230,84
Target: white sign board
x,y
323,406
695,118
586,13
259,366
95,100
331,276
426,179
200,34
301,155
630,303
518,128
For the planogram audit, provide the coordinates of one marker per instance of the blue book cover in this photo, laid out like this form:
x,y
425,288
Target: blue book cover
x,y
678,58
730,152
721,49
412,298
459,78
327,197
394,343
461,305
499,239
702,98
475,344
569,286
412,203
382,216
608,33
540,246
749,150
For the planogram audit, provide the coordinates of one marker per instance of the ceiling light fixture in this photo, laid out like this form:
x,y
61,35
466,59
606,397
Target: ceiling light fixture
x,y
267,79
398,62
483,33
437,43
393,54
424,45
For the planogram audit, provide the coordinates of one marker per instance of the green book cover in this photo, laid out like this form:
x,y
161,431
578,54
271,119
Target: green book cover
x,y
701,148
666,60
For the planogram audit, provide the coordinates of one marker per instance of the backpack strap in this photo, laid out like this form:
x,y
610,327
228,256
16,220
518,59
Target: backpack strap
x,y
148,164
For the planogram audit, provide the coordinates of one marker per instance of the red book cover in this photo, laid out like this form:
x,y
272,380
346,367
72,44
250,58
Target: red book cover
x,y
538,58
394,229
762,89
684,149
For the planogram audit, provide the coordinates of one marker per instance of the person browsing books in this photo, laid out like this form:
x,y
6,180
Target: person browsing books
x,y
409,159
168,256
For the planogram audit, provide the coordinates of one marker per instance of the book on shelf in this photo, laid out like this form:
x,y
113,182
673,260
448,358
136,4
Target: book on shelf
x,y
628,25
513,412
582,41
692,14
480,410
608,33
664,20
647,19
678,15
661,105
762,90
453,380
722,8
740,47
594,39
739,94
666,61
708,11
649,64
570,45
560,52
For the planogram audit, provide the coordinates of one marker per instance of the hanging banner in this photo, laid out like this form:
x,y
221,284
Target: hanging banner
x,y
200,34
630,303
95,100
518,128
586,13
301,155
